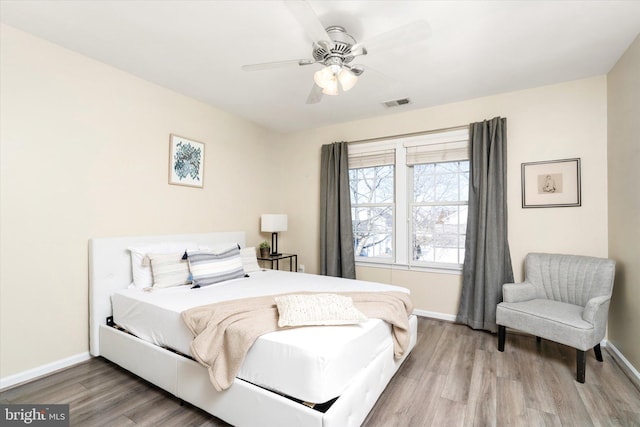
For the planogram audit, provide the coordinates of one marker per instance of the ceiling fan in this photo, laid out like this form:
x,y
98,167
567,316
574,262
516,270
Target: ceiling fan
x,y
335,49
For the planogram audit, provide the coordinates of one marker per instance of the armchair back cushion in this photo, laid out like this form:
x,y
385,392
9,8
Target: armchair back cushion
x,y
572,279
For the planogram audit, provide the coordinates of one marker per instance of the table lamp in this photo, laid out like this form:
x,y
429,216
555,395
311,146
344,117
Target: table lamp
x,y
274,223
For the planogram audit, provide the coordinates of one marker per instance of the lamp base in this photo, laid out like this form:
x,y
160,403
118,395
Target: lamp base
x,y
274,245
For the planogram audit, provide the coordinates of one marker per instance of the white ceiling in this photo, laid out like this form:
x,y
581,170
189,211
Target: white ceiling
x,y
476,48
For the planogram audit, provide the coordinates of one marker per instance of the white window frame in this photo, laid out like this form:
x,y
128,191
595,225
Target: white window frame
x,y
403,195
357,150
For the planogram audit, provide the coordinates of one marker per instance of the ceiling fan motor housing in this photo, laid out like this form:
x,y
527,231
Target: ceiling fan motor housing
x,y
340,50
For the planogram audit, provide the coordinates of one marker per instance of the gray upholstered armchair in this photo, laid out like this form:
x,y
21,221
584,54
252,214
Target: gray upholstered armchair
x,y
564,298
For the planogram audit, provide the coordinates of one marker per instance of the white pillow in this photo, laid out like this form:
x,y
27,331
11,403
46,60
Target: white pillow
x,y
249,260
169,270
317,309
141,269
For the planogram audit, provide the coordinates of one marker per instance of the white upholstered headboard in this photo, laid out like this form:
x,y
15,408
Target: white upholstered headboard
x,y
110,270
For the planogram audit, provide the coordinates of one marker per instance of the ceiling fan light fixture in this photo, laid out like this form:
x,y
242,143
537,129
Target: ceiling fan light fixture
x,y
329,76
347,79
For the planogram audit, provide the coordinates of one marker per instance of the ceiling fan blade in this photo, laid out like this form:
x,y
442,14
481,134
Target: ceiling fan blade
x,y
401,36
277,64
315,95
309,21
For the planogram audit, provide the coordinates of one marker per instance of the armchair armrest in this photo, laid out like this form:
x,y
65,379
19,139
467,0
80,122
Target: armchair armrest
x,y
594,305
518,292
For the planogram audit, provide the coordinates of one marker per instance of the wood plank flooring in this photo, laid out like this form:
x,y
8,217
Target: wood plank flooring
x,y
454,377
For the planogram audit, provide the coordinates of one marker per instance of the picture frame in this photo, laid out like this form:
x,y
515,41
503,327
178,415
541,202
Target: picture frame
x,y
186,162
552,183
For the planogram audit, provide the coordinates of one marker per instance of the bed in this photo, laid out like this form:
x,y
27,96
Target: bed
x,y
285,380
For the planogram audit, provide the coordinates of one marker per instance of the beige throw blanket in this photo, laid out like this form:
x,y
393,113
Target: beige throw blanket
x,y
225,331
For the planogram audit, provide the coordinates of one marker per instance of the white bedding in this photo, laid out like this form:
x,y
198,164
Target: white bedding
x,y
313,364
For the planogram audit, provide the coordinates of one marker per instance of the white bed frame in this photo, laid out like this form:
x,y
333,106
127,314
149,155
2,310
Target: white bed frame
x,y
243,404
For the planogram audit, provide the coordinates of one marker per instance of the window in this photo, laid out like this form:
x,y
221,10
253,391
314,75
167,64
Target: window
x,y
409,199
372,181
439,212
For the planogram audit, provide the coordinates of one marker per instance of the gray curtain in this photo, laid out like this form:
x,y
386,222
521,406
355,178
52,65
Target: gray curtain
x,y
487,262
336,233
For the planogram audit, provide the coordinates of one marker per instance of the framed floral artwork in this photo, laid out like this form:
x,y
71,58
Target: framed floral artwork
x,y
548,184
186,162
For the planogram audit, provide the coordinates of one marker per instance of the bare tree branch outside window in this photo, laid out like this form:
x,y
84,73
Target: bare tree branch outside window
x,y
372,210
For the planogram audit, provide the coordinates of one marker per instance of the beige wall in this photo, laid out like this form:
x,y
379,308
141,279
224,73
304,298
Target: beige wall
x,y
623,84
84,152
553,122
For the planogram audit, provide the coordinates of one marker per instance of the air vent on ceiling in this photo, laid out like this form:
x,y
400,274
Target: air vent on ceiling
x,y
396,102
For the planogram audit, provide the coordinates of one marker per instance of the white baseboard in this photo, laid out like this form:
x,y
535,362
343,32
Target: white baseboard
x,y
435,315
626,366
31,374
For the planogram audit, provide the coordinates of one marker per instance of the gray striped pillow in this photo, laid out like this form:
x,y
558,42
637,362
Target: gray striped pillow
x,y
169,270
208,268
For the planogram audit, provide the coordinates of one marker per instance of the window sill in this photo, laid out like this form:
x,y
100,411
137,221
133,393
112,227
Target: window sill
x,y
455,270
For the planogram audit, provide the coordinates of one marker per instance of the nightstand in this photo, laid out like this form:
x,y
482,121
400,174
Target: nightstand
x,y
293,258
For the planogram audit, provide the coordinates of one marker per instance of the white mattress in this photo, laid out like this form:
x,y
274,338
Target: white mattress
x,y
313,364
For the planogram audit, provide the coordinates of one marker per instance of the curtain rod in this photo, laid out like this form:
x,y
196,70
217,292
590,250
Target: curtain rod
x,y
405,135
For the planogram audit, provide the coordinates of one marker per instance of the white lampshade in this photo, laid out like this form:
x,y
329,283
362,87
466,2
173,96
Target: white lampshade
x,y
324,77
273,223
332,88
347,79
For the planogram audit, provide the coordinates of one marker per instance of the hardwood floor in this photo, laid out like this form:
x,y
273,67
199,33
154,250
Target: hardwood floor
x,y
457,377
454,377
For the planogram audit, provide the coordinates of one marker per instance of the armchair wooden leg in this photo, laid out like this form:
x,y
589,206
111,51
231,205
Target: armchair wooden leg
x,y
581,365
598,352
502,331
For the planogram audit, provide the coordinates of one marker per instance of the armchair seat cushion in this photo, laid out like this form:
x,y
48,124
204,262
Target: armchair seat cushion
x,y
553,320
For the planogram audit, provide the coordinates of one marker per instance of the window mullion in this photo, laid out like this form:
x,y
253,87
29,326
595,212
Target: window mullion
x,y
411,203
401,215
